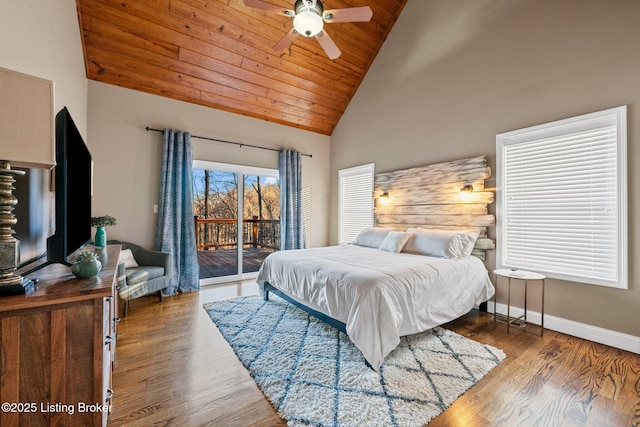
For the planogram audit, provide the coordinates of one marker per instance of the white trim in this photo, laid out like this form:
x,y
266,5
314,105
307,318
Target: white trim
x,y
545,136
240,169
239,224
228,279
581,330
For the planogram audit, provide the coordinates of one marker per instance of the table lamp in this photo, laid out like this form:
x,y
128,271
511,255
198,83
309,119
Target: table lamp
x,y
26,140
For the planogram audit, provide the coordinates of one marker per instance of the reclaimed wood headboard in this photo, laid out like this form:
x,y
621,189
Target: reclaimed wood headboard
x,y
430,197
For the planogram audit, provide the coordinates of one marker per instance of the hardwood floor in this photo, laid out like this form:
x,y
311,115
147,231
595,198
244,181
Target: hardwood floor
x,y
174,368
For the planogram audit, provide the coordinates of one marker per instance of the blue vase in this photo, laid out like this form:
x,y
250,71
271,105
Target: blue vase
x,y
101,238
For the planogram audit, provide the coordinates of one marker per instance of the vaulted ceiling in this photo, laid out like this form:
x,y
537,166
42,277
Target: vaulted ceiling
x,y
218,53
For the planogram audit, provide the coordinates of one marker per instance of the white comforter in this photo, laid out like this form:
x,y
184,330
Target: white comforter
x,y
379,295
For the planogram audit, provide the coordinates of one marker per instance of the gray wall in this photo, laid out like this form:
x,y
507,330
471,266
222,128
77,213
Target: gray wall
x,y
453,74
127,158
42,38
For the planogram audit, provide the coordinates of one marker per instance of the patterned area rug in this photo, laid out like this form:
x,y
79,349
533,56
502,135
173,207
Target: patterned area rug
x,y
314,375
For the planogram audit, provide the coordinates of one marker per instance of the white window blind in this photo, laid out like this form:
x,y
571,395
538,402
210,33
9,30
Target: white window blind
x,y
562,207
306,216
355,210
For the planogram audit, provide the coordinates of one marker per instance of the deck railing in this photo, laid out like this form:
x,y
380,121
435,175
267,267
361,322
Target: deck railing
x,y
212,233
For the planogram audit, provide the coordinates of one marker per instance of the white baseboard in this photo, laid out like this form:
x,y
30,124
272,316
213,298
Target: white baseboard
x,y
581,330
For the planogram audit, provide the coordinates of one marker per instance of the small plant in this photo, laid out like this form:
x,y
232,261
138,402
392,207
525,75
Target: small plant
x,y
102,221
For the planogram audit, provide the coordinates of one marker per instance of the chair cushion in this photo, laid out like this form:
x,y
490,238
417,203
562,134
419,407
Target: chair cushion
x,y
143,274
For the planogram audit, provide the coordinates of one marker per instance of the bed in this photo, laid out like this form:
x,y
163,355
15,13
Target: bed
x,y
377,295
419,267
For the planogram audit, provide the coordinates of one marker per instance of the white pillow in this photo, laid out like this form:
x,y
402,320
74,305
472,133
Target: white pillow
x,y
395,241
372,237
452,244
473,236
127,258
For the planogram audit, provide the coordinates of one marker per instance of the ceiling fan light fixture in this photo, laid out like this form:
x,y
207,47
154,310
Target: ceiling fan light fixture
x,y
308,23
309,18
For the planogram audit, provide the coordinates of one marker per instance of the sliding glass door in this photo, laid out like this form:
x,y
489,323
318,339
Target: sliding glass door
x,y
216,218
237,211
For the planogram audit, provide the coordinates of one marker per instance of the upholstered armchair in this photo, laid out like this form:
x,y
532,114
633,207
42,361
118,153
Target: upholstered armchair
x,y
150,275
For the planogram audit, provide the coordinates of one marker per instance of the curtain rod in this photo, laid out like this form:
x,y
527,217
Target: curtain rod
x,y
239,144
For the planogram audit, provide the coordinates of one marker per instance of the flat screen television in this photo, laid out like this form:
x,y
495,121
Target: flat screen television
x,y
72,186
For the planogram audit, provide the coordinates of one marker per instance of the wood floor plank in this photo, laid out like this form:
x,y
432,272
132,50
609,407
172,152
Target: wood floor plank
x,y
175,368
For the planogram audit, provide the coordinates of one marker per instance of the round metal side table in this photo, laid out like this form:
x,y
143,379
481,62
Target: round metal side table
x,y
525,277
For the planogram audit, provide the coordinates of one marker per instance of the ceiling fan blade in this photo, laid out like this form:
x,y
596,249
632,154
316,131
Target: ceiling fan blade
x,y
263,5
349,14
286,41
328,45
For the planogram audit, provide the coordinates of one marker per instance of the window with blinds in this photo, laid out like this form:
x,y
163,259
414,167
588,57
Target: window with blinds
x,y
355,206
306,216
561,196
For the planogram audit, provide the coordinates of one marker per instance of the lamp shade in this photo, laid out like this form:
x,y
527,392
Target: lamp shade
x,y
26,120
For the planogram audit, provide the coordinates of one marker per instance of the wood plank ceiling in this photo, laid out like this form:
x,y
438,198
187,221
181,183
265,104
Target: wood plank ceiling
x,y
218,53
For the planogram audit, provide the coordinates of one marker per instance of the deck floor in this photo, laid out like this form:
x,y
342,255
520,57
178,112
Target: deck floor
x,y
224,262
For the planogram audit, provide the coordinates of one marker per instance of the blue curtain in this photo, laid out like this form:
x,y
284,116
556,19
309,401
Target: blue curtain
x,y
175,230
291,223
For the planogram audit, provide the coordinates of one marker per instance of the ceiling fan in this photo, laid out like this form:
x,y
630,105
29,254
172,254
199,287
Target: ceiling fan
x,y
309,17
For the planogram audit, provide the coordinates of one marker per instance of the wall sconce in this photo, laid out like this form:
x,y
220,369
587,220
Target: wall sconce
x,y
384,198
466,191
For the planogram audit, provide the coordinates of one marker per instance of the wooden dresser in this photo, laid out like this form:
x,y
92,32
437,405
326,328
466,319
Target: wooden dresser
x,y
57,348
